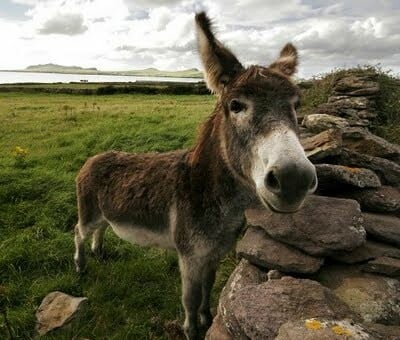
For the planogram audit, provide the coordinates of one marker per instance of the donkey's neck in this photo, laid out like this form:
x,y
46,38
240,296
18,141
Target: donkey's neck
x,y
210,173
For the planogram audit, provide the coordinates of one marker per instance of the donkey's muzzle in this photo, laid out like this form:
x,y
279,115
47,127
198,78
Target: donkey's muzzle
x,y
282,173
291,178
290,183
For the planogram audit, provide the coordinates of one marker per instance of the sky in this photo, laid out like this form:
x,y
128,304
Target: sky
x,y
136,34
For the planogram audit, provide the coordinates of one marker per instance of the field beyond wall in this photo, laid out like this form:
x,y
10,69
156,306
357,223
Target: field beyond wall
x,y
46,134
44,140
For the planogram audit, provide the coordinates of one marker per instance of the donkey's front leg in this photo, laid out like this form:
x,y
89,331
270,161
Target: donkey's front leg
x,y
208,279
191,274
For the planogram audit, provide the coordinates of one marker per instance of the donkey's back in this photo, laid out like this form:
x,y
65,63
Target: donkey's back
x,y
133,193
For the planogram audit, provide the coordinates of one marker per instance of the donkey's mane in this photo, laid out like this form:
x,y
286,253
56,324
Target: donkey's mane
x,y
206,131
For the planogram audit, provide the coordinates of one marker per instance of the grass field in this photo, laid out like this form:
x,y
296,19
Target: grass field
x,y
44,140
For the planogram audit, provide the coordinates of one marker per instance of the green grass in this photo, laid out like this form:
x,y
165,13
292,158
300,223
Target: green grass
x,y
135,290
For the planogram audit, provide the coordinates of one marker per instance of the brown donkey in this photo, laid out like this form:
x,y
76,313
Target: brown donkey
x,y
194,201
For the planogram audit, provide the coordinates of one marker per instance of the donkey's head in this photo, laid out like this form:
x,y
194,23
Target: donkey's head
x,y
257,127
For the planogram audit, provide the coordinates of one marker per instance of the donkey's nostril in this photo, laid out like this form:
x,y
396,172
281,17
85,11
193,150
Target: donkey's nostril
x,y
272,182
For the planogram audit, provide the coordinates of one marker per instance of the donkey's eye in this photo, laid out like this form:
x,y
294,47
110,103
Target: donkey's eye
x,y
236,106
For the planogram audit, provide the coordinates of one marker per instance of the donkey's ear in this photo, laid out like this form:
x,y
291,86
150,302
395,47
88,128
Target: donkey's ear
x,y
220,64
287,61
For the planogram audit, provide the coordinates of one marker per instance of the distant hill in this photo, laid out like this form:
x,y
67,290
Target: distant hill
x,y
150,72
60,69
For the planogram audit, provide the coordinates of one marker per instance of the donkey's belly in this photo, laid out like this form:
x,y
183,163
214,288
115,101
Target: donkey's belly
x,y
141,235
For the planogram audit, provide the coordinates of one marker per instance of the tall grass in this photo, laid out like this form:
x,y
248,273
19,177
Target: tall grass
x,y
134,290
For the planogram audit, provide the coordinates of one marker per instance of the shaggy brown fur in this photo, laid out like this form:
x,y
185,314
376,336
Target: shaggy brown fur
x,y
193,201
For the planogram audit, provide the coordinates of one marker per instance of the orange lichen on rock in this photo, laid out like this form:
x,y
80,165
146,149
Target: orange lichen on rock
x,y
341,330
314,324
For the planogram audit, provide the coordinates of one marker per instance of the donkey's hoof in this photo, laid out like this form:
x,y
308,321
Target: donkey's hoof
x,y
192,333
80,266
206,320
80,270
98,253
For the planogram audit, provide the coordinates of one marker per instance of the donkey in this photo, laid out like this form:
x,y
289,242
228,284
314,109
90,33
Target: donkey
x,y
193,201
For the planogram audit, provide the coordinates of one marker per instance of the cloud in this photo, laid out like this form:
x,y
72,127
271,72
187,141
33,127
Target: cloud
x,y
69,24
129,34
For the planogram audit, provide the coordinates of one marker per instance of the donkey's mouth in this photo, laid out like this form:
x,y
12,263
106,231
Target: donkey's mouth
x,y
278,210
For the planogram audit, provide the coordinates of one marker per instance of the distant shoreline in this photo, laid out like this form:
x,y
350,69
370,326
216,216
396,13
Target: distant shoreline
x,y
166,74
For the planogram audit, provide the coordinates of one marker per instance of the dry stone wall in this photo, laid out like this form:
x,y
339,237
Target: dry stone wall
x,y
331,270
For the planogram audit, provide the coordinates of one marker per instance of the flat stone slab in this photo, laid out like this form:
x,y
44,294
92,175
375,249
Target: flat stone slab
x,y
384,332
325,144
368,251
359,103
330,175
355,117
323,225
259,248
383,265
383,227
245,274
384,199
375,298
363,141
323,329
260,311
319,122
56,310
388,171
354,85
218,331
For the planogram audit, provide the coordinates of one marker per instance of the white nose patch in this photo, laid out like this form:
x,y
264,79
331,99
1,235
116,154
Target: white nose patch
x,y
280,146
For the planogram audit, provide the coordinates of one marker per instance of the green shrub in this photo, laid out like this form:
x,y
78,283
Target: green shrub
x,y
387,123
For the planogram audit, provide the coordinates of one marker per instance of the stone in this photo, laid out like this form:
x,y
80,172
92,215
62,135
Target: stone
x,y
274,274
385,331
388,171
384,199
375,298
325,144
360,103
323,225
368,251
259,311
367,114
383,227
333,110
320,122
57,310
367,91
244,275
354,85
323,329
363,141
218,331
260,249
383,265
330,175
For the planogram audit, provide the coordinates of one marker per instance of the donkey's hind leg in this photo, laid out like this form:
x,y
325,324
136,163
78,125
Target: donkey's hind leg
x,y
81,234
98,238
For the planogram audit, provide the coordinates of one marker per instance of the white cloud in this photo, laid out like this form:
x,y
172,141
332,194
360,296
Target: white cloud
x,y
129,34
69,24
